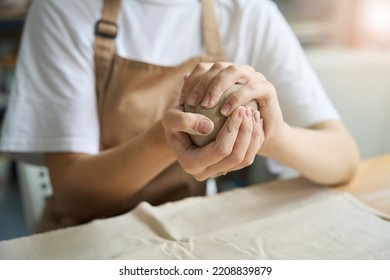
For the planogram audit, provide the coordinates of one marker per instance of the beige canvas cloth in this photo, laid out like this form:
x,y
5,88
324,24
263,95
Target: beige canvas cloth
x,y
280,220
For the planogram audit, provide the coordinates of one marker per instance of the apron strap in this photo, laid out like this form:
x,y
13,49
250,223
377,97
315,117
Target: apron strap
x,y
106,30
211,36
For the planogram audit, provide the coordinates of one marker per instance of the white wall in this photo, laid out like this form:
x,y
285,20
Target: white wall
x,y
358,83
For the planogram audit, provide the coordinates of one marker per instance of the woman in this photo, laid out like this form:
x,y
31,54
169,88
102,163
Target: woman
x,y
99,92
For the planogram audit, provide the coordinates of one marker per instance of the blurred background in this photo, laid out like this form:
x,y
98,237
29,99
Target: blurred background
x,y
346,41
13,222
348,44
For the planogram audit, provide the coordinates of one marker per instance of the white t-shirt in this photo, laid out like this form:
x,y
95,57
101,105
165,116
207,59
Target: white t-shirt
x,y
53,102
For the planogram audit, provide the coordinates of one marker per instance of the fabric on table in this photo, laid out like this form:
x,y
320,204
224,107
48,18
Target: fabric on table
x,y
285,220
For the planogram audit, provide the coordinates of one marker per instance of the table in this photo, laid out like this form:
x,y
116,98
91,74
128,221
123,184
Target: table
x,y
282,219
371,184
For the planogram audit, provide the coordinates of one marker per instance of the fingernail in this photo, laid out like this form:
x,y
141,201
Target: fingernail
x,y
186,75
226,109
213,102
193,99
257,117
248,112
182,98
205,127
206,100
241,113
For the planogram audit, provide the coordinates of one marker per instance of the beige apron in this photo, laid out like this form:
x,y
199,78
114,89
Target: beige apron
x,y
132,96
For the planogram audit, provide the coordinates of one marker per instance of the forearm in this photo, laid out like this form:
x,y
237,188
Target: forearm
x,y
325,154
103,180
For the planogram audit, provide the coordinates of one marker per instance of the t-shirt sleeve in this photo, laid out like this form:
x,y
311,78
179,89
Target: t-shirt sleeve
x,y
280,57
52,107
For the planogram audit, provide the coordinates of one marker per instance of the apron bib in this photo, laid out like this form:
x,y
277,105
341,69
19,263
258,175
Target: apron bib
x,y
132,96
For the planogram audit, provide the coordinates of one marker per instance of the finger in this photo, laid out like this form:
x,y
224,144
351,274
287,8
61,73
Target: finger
x,y
236,158
261,91
192,80
229,76
258,135
221,147
201,88
257,139
176,120
182,97
185,76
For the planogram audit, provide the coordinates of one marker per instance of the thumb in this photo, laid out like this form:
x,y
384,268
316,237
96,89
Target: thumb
x,y
192,123
203,126
195,124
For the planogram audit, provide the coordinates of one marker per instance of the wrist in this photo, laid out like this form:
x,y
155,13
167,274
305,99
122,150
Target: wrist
x,y
159,140
276,141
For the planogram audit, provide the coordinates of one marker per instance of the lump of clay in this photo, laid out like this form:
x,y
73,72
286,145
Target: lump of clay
x,y
214,115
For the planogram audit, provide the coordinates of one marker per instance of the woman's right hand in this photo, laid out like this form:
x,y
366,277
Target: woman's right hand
x,y
235,147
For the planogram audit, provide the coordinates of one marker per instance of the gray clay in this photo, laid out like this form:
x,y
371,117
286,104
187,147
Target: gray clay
x,y
215,115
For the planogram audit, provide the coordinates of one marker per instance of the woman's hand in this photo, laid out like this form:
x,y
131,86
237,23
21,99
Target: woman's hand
x,y
307,150
235,147
208,81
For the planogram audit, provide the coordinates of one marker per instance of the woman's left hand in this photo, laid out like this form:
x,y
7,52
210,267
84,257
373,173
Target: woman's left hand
x,y
208,81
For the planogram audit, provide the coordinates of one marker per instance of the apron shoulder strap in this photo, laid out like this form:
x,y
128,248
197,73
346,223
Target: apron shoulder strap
x,y
210,30
106,30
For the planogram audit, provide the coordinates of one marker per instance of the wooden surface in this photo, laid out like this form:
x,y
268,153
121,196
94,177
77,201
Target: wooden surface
x,y
371,184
